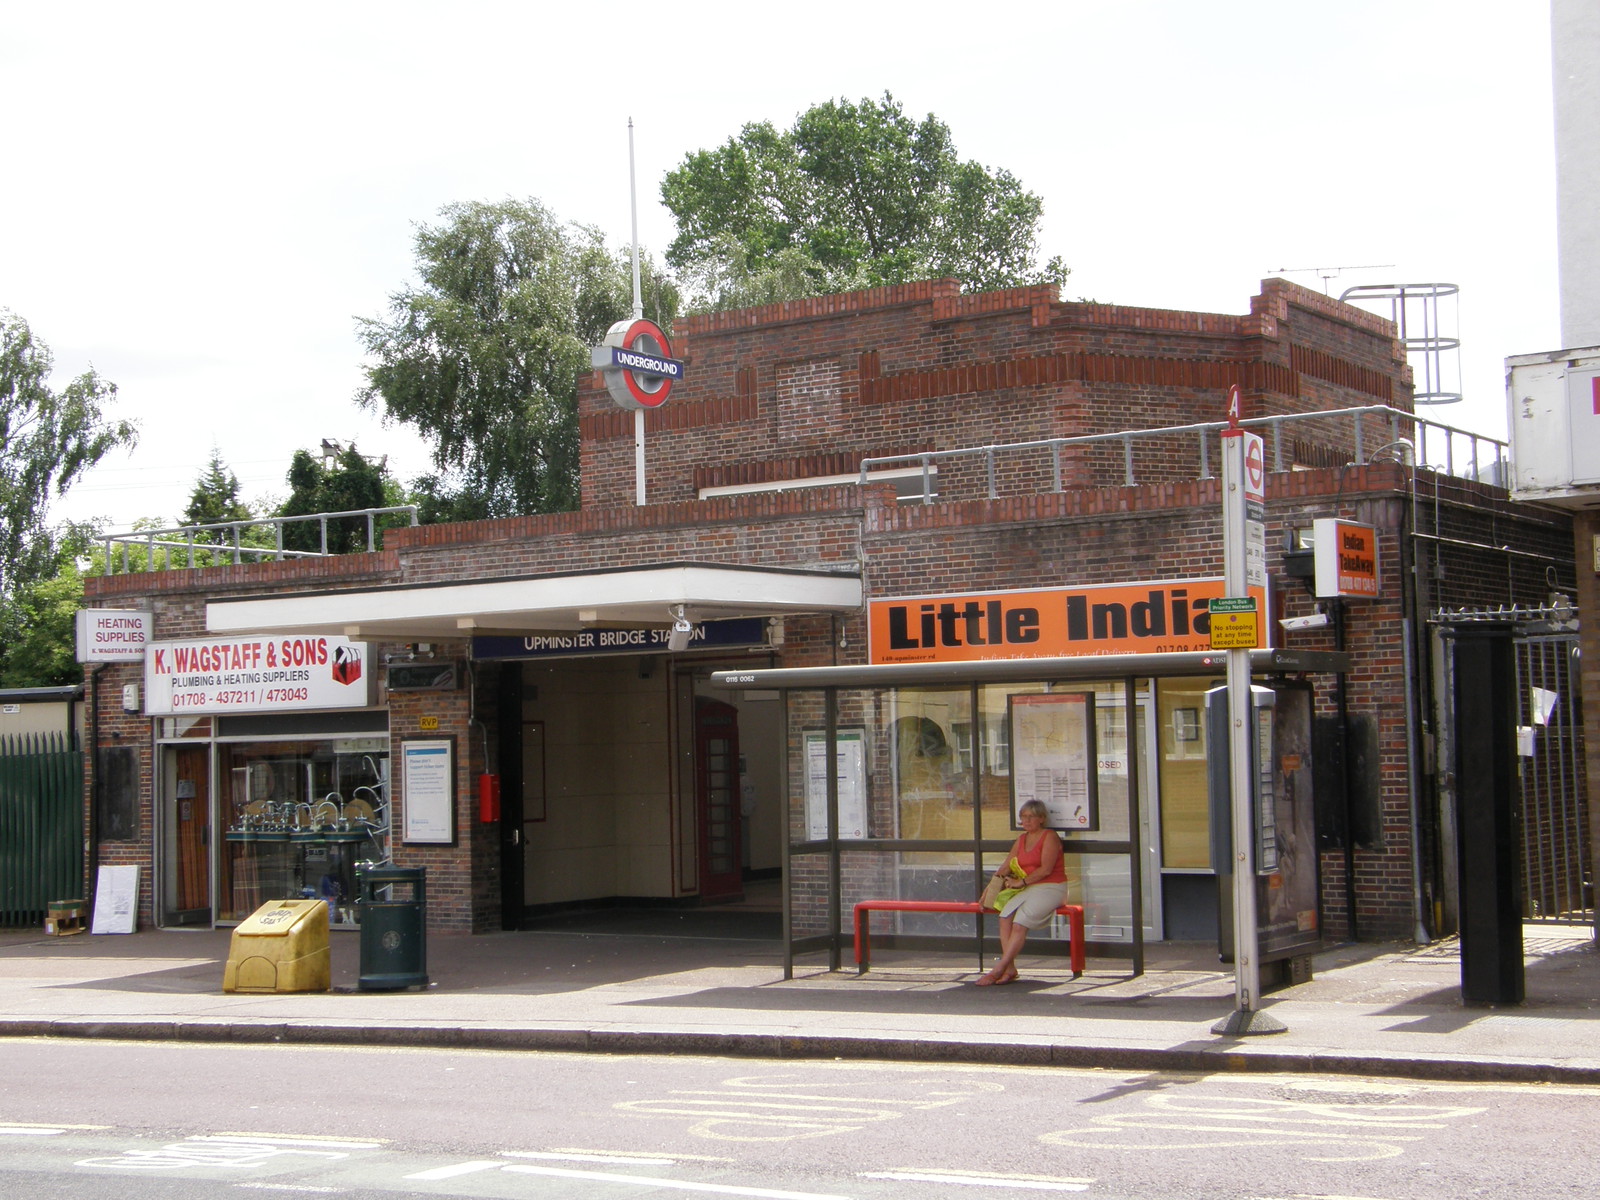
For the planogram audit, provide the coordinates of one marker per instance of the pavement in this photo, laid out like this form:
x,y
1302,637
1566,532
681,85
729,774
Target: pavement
x,y
655,987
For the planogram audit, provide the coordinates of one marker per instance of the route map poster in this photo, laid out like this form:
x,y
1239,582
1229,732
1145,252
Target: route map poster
x,y
850,755
1053,758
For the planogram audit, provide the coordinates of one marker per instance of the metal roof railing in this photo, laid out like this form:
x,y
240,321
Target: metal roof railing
x,y
1482,457
225,539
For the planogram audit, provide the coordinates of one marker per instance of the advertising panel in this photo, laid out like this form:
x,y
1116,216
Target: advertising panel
x,y
112,634
256,674
1156,617
1346,559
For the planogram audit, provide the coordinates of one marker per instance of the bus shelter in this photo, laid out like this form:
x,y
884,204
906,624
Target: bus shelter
x,y
903,782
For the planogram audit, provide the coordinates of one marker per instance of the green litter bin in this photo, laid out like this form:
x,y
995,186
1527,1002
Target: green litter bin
x,y
394,938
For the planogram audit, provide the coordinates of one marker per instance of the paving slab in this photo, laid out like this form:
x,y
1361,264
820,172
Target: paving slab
x,y
1376,1009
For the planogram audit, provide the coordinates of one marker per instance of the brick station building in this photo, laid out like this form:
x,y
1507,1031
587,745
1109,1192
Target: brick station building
x,y
536,649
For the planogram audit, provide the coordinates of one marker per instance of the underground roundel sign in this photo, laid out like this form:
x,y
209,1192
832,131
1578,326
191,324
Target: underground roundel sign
x,y
637,361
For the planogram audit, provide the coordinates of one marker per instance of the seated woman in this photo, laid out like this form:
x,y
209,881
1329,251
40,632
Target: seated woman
x,y
1044,888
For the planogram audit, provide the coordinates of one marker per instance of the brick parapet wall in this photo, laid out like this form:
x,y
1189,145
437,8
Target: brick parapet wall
x,y
981,369
245,578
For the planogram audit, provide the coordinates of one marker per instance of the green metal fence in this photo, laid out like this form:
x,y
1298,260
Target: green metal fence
x,y
41,825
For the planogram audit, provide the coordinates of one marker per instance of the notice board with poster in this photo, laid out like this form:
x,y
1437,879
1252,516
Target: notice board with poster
x,y
428,795
1053,758
851,767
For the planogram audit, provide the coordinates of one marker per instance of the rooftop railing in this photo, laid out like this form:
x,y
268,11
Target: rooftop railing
x,y
1459,452
205,545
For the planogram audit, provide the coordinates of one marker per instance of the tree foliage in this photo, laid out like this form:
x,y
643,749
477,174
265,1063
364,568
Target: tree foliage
x,y
40,635
853,195
215,498
484,356
350,483
48,439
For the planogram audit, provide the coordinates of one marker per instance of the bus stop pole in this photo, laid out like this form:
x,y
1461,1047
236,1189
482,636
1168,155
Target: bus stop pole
x,y
1247,1017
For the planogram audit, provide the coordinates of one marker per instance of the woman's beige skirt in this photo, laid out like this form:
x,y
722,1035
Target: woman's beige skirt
x,y
1036,904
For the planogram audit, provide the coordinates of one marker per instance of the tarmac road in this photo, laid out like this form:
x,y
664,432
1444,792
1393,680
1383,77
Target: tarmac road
x,y
134,1119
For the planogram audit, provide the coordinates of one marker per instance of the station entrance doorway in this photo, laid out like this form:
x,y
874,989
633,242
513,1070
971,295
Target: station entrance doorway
x,y
630,787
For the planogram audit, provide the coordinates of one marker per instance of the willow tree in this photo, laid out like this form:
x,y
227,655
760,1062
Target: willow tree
x,y
483,355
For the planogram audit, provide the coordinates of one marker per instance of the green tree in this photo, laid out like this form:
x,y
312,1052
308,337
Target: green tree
x,y
215,498
48,439
485,355
40,634
351,483
853,195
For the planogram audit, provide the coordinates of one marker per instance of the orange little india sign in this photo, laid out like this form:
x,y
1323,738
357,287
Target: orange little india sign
x,y
1158,617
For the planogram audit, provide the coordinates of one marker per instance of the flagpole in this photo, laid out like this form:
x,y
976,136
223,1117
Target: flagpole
x,y
638,312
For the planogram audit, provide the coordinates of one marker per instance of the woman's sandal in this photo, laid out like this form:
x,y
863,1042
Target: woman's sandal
x,y
990,979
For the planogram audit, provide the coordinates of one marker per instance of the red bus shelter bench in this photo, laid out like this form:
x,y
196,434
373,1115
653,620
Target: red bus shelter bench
x,y
1073,913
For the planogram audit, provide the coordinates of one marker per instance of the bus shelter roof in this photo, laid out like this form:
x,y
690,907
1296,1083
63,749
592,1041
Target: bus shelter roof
x,y
1013,670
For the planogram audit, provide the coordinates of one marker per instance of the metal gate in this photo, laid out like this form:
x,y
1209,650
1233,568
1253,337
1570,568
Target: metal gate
x,y
1554,799
1555,804
41,825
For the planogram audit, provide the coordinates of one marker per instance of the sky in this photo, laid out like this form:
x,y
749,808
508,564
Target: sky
x,y
199,200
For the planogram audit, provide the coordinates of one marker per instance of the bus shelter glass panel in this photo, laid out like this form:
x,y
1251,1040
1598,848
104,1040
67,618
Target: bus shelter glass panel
x,y
1185,808
931,777
1112,761
934,875
997,814
810,877
1103,884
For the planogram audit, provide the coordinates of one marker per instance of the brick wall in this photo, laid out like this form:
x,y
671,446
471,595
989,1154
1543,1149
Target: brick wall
x,y
842,377
806,389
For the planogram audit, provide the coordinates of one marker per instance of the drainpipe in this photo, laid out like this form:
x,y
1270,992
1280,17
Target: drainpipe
x,y
1419,928
1342,699
92,839
1411,652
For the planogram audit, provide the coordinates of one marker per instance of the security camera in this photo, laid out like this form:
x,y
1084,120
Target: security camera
x,y
1314,621
682,631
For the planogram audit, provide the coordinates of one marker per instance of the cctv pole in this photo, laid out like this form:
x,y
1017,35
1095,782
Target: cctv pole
x,y
1237,499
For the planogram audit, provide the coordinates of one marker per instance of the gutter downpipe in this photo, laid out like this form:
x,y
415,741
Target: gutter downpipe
x,y
1419,929
1412,652
91,865
1342,702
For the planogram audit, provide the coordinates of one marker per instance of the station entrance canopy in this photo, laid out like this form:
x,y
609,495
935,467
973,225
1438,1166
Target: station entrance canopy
x,y
642,596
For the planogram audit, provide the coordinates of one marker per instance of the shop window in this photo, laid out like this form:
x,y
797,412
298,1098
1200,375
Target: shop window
x,y
175,728
301,817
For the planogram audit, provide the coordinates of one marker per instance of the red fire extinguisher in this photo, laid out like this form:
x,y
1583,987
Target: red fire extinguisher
x,y
488,798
